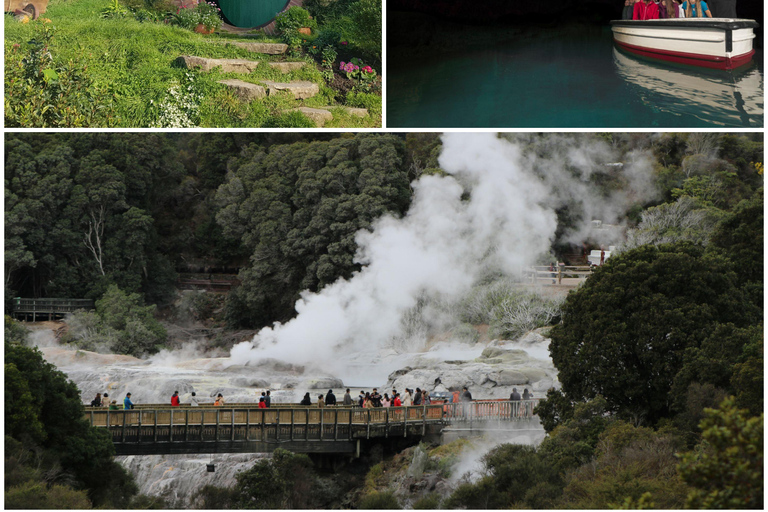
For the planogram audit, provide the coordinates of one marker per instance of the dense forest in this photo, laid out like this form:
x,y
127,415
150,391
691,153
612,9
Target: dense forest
x,y
678,310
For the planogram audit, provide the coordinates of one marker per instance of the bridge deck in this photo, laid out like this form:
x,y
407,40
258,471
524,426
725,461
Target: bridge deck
x,y
246,428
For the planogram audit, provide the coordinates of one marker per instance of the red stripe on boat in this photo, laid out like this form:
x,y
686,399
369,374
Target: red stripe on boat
x,y
692,59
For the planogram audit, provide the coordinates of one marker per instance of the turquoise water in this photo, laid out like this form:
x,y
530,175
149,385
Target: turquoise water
x,y
560,79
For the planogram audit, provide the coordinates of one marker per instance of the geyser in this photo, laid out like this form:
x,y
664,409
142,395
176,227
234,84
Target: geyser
x,y
495,209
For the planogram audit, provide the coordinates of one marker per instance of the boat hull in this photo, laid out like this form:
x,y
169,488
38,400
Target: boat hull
x,y
717,43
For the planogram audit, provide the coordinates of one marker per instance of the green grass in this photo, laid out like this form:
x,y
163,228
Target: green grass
x,y
132,67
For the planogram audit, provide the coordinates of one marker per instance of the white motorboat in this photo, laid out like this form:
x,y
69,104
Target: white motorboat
x,y
720,43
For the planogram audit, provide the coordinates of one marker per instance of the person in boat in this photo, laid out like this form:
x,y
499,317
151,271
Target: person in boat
x,y
626,13
645,10
306,400
662,8
696,9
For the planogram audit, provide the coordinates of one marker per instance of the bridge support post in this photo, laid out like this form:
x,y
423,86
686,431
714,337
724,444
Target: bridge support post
x,y
386,422
277,426
405,422
293,416
155,432
218,419
336,425
186,425
232,433
247,425
368,426
322,424
306,426
139,438
122,438
170,428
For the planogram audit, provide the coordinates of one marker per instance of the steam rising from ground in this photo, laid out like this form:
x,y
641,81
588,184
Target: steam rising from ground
x,y
495,210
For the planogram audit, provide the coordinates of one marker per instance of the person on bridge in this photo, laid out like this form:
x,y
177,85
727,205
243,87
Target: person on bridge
x,y
407,399
515,410
417,397
113,406
268,399
386,402
262,402
466,396
515,396
127,404
320,401
330,398
396,401
96,402
526,394
105,401
361,398
175,399
375,398
306,400
193,400
219,400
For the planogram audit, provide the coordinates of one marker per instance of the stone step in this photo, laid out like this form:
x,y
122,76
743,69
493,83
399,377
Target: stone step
x,y
266,48
300,90
287,67
243,90
319,116
226,65
359,112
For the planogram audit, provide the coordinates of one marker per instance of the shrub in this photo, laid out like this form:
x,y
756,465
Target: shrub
x,y
428,502
290,21
379,501
40,94
37,495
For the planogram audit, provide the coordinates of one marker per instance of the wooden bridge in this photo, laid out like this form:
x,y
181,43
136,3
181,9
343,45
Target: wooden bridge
x,y
48,308
244,428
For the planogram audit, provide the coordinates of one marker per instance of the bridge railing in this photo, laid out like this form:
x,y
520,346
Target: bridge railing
x,y
233,424
490,410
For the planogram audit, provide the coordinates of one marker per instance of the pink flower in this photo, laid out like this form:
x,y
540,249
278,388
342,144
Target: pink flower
x,y
341,67
344,43
368,69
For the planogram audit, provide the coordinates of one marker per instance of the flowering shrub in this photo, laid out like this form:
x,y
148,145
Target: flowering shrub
x,y
181,106
204,13
357,70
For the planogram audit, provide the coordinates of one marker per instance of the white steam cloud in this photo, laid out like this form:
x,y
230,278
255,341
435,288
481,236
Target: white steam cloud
x,y
495,210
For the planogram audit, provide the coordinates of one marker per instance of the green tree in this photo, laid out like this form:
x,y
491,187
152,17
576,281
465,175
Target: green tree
x,y
297,209
285,481
50,406
625,332
727,468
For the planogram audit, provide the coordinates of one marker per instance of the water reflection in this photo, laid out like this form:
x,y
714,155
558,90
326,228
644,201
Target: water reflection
x,y
724,98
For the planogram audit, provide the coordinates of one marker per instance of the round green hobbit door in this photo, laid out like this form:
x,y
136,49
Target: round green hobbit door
x,y
251,13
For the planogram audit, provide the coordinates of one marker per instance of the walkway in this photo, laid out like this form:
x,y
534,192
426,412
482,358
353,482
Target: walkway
x,y
244,428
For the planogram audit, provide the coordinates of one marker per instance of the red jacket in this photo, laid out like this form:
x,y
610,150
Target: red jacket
x,y
396,402
175,400
262,405
645,11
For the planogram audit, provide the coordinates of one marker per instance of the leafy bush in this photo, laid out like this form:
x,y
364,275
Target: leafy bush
x,y
379,501
428,502
15,332
40,94
727,468
204,13
121,324
38,495
290,21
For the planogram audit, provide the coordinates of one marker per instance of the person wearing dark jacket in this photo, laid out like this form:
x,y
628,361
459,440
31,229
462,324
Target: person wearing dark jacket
x,y
306,400
96,402
268,398
330,398
417,397
515,396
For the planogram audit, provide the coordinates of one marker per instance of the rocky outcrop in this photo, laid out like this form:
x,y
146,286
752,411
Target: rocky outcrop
x,y
226,65
299,90
176,478
265,48
287,67
524,363
245,91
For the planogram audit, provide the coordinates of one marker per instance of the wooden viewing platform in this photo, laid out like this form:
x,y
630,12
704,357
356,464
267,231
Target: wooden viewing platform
x,y
573,274
49,308
162,429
